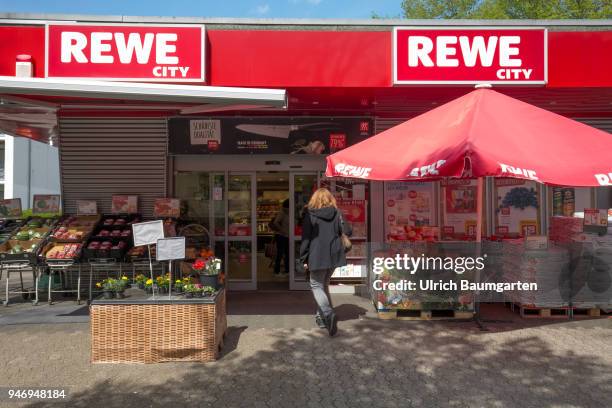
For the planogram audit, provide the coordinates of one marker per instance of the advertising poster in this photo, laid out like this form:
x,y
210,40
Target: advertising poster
x,y
409,208
86,207
167,207
354,213
46,203
266,135
517,207
124,204
459,208
10,208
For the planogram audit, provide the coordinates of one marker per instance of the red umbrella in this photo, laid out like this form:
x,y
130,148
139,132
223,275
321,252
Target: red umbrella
x,y
483,133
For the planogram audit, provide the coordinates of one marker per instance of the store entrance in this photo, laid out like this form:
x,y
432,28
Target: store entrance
x,y
273,223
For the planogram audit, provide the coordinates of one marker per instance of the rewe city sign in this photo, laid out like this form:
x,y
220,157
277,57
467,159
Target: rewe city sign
x,y
469,55
168,53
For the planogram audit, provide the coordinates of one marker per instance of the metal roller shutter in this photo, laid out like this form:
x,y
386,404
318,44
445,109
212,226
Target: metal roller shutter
x,y
382,124
100,157
605,124
599,123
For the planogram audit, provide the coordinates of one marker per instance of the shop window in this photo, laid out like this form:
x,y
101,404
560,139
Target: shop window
x,y
193,189
517,207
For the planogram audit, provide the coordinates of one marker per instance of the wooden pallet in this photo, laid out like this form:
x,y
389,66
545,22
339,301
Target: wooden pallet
x,y
403,314
531,312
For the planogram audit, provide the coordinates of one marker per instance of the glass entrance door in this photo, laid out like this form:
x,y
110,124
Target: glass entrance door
x,y
301,187
241,246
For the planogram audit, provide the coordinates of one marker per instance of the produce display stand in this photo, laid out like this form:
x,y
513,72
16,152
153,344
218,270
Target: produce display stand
x,y
140,329
7,267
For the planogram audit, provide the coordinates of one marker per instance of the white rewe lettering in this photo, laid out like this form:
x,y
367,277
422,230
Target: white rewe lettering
x,y
472,49
419,48
163,48
506,51
517,171
72,45
352,171
604,179
98,47
443,51
478,49
134,45
427,170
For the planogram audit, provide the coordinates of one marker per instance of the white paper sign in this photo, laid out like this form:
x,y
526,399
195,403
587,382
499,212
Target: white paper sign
x,y
217,193
169,249
203,131
148,233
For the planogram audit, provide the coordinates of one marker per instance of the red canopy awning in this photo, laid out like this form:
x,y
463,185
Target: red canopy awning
x,y
483,133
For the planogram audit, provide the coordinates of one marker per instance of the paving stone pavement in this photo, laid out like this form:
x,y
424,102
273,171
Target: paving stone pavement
x,y
370,363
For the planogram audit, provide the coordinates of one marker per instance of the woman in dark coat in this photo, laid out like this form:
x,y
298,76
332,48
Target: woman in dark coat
x,y
322,251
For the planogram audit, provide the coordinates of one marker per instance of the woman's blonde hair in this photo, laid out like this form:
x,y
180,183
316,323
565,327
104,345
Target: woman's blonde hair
x,y
322,198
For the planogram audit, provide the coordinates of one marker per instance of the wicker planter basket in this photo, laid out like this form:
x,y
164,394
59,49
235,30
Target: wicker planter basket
x,y
153,331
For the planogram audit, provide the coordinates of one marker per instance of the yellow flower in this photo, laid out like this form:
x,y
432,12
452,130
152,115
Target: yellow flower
x,y
149,281
178,281
124,278
98,284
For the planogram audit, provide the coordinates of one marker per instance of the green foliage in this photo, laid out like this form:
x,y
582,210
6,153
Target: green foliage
x,y
507,9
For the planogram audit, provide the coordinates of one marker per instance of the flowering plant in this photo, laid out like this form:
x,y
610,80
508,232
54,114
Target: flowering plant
x,y
149,283
108,285
163,281
122,283
192,288
140,279
210,266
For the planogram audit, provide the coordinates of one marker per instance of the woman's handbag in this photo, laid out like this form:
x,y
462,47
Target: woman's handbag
x,y
346,242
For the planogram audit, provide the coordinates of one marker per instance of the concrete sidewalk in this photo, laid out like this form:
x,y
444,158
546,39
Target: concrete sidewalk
x,y
274,356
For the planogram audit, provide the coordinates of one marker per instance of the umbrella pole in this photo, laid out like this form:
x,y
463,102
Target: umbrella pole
x,y
479,224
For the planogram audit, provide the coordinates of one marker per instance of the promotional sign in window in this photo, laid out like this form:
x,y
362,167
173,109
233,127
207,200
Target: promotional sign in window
x,y
46,203
87,207
124,204
10,208
167,207
409,210
468,56
518,203
265,135
459,208
168,53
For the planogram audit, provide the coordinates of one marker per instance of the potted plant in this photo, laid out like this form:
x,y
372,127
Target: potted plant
x,y
140,281
191,290
163,283
148,286
208,271
179,285
122,284
109,287
208,291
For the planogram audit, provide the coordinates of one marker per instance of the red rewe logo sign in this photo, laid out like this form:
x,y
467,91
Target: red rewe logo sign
x,y
469,56
168,53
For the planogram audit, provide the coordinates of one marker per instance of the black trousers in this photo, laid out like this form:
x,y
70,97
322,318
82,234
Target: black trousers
x,y
282,252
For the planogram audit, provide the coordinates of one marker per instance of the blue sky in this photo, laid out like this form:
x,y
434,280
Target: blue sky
x,y
218,8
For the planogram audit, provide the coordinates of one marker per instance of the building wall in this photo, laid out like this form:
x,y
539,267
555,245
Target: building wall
x,y
30,168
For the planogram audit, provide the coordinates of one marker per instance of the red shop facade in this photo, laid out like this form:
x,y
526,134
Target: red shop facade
x,y
235,116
